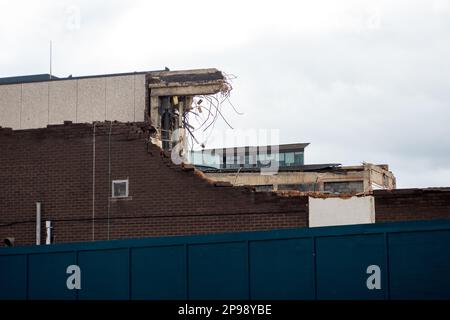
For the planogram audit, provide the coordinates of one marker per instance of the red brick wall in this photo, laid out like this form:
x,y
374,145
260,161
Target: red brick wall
x,y
412,204
55,166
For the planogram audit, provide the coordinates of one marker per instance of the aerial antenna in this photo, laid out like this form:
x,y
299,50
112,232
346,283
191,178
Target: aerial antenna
x,y
50,59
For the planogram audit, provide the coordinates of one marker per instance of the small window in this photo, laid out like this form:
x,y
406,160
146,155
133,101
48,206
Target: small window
x,y
120,188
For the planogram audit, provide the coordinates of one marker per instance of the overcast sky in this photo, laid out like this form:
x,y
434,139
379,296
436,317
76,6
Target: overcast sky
x,y
359,80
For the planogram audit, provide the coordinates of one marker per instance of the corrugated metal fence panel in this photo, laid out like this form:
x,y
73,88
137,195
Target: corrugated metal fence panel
x,y
47,275
161,268
282,269
218,271
13,277
105,274
413,259
342,263
420,265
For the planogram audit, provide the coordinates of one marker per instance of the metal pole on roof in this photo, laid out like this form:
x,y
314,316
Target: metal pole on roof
x,y
50,59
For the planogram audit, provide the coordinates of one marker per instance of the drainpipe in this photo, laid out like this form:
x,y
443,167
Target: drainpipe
x,y
165,112
165,131
38,223
48,227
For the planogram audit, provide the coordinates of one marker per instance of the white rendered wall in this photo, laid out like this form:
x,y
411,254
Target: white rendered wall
x,y
340,211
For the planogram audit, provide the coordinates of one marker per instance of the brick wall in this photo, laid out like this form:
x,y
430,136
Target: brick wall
x,y
412,204
54,165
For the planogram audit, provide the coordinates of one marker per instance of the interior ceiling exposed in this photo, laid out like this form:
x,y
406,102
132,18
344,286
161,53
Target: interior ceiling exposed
x,y
175,96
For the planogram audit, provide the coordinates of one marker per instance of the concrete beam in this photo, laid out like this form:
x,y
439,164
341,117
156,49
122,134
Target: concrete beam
x,y
191,90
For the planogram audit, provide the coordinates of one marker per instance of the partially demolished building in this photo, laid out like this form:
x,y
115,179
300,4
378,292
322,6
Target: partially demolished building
x,y
160,98
242,167
89,155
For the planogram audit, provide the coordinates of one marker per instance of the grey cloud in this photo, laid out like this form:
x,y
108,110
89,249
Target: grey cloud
x,y
377,93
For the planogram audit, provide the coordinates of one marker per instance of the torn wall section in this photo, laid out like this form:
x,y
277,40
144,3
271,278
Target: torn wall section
x,y
71,176
171,98
160,98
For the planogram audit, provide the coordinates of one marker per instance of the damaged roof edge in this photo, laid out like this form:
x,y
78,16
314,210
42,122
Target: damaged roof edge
x,y
187,83
410,191
302,168
209,74
322,195
133,130
374,193
43,78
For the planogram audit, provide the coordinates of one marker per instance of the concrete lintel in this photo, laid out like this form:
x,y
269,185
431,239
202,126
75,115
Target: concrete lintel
x,y
180,72
191,90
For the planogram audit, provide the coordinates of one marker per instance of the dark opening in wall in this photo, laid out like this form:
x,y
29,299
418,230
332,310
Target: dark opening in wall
x,y
344,187
305,187
264,188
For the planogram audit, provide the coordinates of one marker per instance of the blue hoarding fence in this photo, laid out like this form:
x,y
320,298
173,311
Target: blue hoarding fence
x,y
403,260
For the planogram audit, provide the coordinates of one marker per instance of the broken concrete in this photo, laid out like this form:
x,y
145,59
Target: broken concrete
x,y
332,179
160,98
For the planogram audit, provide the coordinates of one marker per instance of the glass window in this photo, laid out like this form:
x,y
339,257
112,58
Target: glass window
x,y
298,158
241,160
272,156
251,160
289,158
263,159
272,159
120,188
281,161
211,160
247,161
275,156
231,161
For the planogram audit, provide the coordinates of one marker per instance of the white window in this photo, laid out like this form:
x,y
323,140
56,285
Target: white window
x,y
120,188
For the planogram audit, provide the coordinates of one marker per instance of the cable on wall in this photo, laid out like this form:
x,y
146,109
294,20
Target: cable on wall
x,y
109,178
93,184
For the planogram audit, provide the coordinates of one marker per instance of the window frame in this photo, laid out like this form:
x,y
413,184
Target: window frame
x,y
127,183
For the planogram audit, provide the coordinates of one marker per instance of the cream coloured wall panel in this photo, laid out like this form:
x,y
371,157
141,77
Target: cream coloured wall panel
x,y
10,105
35,105
91,100
120,98
63,101
139,96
